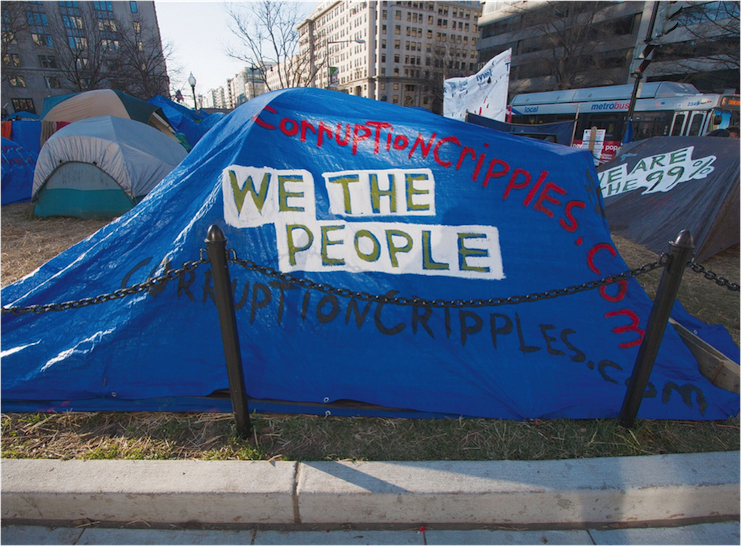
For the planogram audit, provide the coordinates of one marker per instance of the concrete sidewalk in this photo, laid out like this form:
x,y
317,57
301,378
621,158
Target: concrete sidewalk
x,y
569,492
717,533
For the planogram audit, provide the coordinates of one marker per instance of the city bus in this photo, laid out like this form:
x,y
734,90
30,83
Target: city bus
x,y
662,109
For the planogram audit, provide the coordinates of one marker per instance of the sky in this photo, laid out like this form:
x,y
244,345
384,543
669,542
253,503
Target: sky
x,y
199,34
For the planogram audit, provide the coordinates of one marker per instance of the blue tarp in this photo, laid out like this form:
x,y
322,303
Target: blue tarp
x,y
17,172
27,133
373,198
183,120
560,133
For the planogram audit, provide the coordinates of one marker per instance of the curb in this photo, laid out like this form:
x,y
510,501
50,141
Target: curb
x,y
568,492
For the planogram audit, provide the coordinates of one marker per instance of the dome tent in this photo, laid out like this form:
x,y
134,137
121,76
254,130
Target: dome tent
x,y
101,167
102,102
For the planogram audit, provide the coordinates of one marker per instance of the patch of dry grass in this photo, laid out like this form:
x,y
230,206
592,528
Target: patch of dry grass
x,y
105,435
28,242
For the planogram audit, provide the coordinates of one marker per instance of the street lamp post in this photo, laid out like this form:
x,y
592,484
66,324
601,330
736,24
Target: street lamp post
x,y
192,82
252,71
326,53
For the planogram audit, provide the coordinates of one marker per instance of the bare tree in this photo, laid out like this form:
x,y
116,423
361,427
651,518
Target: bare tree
x,y
446,63
705,45
577,44
14,24
141,68
83,50
266,31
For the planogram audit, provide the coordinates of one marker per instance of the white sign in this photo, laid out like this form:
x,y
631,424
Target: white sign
x,y
360,238
658,173
483,94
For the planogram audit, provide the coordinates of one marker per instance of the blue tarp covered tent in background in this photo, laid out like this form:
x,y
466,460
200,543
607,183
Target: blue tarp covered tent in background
x,y
27,133
17,172
183,120
373,198
559,133
657,187
193,125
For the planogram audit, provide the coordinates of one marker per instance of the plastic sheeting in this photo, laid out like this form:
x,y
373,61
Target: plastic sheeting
x,y
17,172
135,155
370,197
655,188
559,133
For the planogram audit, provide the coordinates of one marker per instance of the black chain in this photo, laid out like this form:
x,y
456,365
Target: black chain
x,y
363,296
115,295
710,275
490,302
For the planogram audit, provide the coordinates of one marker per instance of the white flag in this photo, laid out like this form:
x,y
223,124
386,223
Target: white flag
x,y
484,94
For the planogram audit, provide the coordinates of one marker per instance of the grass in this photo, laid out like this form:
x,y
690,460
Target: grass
x,y
105,435
28,242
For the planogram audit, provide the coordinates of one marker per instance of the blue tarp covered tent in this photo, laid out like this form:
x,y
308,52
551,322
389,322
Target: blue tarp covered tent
x,y
17,172
27,133
373,198
183,120
560,133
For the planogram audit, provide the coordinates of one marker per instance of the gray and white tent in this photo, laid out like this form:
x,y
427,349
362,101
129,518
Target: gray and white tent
x,y
101,167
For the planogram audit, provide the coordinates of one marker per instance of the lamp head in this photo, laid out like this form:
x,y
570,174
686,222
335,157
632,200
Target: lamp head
x,y
192,80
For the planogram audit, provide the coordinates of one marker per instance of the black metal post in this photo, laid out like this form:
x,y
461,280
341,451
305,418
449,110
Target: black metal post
x,y
680,252
216,245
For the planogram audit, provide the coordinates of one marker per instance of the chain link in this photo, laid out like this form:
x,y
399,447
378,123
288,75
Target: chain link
x,y
710,275
364,296
420,302
115,295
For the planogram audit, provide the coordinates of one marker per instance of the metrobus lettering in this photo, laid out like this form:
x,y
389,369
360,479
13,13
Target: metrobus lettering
x,y
611,106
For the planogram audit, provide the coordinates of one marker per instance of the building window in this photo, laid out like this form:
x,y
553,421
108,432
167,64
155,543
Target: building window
x,y
383,87
42,40
110,45
11,59
107,25
397,44
396,86
23,105
398,14
16,81
78,44
396,99
52,82
47,61
134,8
35,18
103,6
397,29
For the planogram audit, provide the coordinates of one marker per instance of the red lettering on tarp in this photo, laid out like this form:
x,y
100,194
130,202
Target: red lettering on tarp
x,y
442,141
379,125
425,148
632,327
261,123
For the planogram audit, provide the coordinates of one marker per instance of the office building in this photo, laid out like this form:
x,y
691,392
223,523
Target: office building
x,y
567,45
397,52
57,48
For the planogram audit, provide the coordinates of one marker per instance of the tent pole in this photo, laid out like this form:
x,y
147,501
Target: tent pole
x,y
216,245
680,252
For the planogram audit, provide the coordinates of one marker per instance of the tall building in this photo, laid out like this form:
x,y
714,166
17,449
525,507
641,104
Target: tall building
x,y
57,48
397,52
566,45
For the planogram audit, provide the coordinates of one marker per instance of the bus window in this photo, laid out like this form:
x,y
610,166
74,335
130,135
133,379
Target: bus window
x,y
651,124
678,124
696,124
